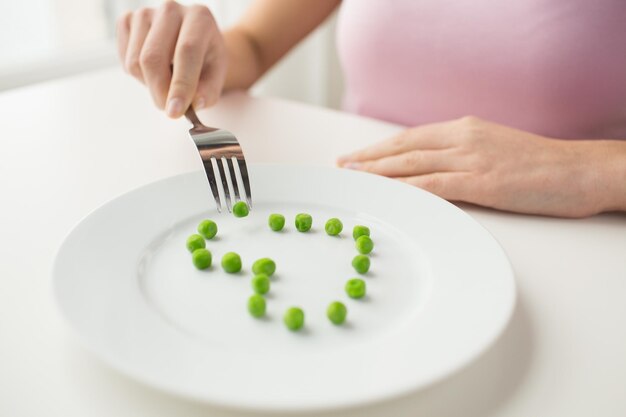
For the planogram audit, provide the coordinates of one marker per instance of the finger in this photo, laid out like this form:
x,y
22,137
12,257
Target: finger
x,y
431,136
123,33
453,186
188,59
139,26
158,50
414,162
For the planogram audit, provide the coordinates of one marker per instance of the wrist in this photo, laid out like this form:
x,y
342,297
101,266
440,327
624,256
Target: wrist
x,y
608,171
244,59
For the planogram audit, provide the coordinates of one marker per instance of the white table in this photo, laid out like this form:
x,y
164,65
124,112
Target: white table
x,y
70,145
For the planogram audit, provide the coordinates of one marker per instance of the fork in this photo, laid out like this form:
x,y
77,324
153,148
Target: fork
x,y
220,149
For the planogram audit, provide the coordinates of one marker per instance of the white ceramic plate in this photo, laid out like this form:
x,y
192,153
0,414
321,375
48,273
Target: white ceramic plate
x,y
440,290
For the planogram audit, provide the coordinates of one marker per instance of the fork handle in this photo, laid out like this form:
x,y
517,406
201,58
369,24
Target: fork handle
x,y
191,115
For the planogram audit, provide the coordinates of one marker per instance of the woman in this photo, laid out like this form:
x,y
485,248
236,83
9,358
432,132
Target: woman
x,y
532,71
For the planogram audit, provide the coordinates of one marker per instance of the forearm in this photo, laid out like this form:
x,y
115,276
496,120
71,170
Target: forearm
x,y
266,32
608,167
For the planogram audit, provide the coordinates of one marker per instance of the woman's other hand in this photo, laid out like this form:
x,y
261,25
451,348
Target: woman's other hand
x,y
491,165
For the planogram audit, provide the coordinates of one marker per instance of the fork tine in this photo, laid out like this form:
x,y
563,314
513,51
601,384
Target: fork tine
x,y
233,178
219,144
220,166
210,173
243,169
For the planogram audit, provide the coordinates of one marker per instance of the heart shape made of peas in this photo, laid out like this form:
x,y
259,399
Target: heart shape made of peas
x,y
263,268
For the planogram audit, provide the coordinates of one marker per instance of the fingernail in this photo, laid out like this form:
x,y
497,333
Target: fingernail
x,y
200,103
352,165
343,158
174,107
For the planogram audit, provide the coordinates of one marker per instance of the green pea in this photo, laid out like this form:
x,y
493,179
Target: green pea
x,y
201,258
364,244
333,227
361,264
360,231
231,262
336,312
260,284
355,288
207,228
276,222
195,242
240,209
264,266
304,222
294,318
256,305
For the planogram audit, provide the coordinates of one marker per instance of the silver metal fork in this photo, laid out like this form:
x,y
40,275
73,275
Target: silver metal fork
x,y
219,149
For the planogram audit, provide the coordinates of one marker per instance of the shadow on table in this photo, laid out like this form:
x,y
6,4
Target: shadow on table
x,y
476,391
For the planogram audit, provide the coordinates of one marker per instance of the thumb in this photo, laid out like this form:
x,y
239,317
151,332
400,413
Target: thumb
x,y
210,85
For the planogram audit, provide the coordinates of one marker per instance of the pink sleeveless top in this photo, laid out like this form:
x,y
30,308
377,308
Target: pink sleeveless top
x,y
552,67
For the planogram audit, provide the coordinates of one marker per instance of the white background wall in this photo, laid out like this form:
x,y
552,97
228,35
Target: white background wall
x,y
45,39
